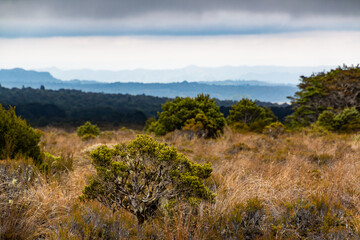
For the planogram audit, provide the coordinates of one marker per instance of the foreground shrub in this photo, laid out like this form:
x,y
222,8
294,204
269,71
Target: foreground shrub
x,y
199,115
17,138
88,131
139,176
249,116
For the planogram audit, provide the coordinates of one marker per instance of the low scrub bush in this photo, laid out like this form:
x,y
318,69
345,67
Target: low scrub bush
x,y
199,116
246,115
142,174
56,165
17,138
275,129
346,121
88,131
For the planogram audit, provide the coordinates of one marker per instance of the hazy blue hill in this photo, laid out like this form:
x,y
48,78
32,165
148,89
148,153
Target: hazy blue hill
x,y
21,76
268,74
223,90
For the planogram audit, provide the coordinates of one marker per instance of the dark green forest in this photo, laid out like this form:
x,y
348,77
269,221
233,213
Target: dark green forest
x,y
71,108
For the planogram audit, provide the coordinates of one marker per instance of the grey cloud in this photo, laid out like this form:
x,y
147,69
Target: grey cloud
x,y
107,9
43,18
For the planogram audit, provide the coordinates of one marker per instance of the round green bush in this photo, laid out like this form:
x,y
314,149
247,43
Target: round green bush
x,y
247,115
17,138
199,115
143,174
87,130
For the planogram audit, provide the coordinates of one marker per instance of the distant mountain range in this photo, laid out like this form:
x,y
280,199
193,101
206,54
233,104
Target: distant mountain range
x,y
223,90
268,74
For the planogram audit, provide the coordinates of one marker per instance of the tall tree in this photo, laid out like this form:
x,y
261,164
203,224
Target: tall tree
x,y
334,91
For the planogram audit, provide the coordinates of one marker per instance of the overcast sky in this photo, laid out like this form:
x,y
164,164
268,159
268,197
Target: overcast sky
x,y
127,34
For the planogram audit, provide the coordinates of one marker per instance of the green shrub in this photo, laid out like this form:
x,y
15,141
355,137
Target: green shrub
x,y
149,122
142,174
326,120
56,164
247,115
337,90
347,120
88,129
275,129
87,137
199,115
17,138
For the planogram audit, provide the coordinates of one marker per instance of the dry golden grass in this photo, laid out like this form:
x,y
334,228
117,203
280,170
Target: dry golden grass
x,y
277,172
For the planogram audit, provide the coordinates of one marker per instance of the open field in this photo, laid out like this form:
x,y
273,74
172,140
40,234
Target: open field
x,y
298,185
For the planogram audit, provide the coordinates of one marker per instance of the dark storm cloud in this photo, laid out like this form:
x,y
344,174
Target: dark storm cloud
x,y
182,17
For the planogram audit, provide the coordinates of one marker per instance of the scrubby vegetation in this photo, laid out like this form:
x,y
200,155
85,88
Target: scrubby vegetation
x,y
144,174
301,185
17,138
247,116
71,108
198,115
332,91
88,131
268,181
347,120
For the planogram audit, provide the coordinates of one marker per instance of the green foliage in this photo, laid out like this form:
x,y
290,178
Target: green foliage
x,y
139,175
88,131
200,115
249,116
149,122
74,107
335,90
17,138
275,129
346,121
326,120
56,164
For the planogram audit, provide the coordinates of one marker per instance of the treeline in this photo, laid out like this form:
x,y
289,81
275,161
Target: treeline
x,y
72,108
